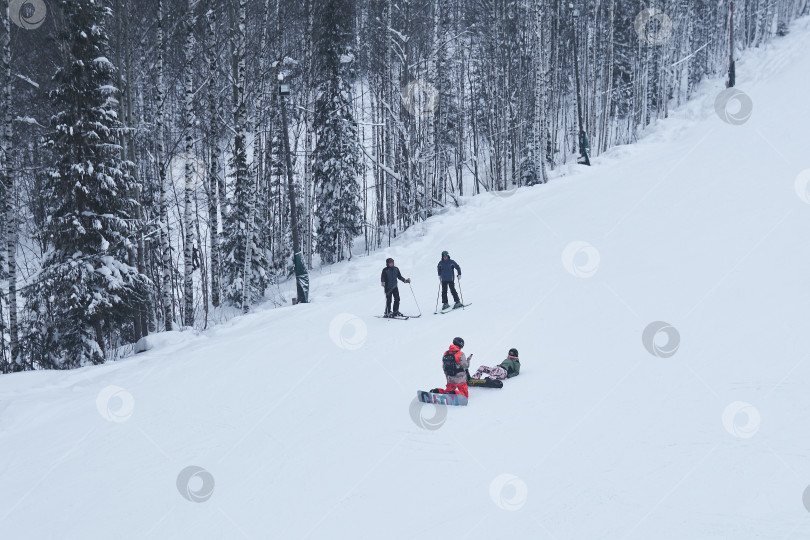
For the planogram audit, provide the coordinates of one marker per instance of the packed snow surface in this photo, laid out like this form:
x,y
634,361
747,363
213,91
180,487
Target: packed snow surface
x,y
660,303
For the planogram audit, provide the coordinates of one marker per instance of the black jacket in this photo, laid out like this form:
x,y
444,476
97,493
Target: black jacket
x,y
389,276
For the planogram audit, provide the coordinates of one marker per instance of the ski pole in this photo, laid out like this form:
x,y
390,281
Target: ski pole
x,y
461,294
437,296
415,300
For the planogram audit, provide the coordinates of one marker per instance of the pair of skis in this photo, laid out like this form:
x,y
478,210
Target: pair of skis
x,y
402,317
450,310
406,317
399,317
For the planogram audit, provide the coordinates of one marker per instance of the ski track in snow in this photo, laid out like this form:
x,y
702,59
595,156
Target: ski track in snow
x,y
302,415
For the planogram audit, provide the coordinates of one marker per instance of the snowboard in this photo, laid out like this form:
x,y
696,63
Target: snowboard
x,y
485,383
441,399
443,311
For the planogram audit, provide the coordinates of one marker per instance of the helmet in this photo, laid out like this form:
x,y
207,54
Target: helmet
x,y
445,254
458,342
389,260
513,353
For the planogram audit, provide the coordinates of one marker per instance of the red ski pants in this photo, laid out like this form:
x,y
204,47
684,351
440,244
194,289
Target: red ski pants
x,y
457,388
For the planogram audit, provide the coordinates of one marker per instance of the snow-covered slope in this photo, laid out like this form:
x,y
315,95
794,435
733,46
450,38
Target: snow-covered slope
x,y
302,419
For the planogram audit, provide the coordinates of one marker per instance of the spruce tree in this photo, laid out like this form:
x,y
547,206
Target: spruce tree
x,y
241,250
336,159
86,287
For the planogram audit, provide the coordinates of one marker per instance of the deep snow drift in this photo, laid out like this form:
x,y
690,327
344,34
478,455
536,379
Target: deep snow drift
x,y
301,420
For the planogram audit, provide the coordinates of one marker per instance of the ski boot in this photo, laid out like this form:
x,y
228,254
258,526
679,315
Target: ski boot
x,y
457,305
445,306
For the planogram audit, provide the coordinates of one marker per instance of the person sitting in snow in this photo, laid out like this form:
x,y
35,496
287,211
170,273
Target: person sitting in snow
x,y
455,365
447,278
505,370
388,279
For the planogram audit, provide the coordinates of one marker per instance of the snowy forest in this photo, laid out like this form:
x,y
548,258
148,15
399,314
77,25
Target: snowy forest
x,y
164,159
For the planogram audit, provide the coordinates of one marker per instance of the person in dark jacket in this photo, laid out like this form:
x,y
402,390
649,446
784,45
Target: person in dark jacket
x,y
505,370
388,280
447,278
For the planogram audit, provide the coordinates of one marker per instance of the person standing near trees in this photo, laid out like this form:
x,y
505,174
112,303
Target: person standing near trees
x,y
388,279
447,279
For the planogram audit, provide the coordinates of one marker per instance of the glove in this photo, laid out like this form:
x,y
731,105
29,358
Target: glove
x,y
408,280
459,277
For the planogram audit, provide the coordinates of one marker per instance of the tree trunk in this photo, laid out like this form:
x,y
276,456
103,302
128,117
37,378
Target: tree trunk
x,y
215,182
7,189
165,234
188,216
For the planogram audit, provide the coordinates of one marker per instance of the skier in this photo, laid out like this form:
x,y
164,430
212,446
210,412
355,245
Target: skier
x,y
447,278
388,280
455,364
505,370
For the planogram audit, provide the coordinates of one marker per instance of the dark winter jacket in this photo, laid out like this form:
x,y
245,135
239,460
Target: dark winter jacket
x,y
389,277
445,269
512,366
461,359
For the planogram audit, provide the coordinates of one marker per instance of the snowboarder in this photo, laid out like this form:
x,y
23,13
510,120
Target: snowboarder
x,y
455,364
447,279
505,370
388,280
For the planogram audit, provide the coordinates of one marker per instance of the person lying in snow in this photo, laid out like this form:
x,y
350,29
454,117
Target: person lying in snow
x,y
455,364
505,370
